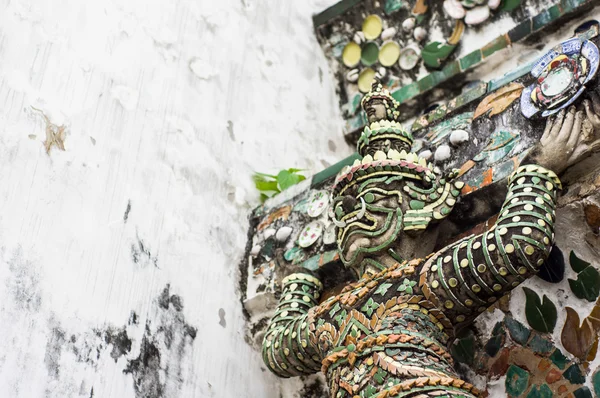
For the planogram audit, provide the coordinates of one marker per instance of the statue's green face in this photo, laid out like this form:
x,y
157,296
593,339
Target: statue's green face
x,y
369,218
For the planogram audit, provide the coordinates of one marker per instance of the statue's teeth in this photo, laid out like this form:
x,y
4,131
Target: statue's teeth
x,y
403,154
394,154
356,163
346,169
367,159
413,158
430,166
422,162
380,155
375,126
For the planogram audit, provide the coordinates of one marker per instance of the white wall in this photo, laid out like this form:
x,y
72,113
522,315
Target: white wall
x,y
168,106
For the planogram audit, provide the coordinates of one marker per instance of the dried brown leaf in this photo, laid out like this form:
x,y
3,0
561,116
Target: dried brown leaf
x,y
499,100
577,339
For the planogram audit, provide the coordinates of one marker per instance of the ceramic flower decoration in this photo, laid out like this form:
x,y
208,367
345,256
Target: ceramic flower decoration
x,y
474,12
561,75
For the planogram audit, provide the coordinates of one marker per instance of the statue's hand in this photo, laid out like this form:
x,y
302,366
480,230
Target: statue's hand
x,y
570,136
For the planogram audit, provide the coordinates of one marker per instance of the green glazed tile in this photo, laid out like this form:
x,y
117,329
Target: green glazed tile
x,y
406,92
426,83
470,59
542,391
555,12
559,359
463,350
493,345
583,392
540,345
437,114
541,20
574,374
596,382
509,77
518,332
392,6
517,380
520,31
334,169
334,11
498,43
451,69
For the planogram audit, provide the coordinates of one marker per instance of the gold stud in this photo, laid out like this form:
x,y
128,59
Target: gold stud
x,y
468,302
476,245
503,271
492,247
503,231
452,282
529,250
449,304
526,230
464,263
509,248
435,284
447,259
434,268
516,219
497,287
460,318
476,288
481,268
522,270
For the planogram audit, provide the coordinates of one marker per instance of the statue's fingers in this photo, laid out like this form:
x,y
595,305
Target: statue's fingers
x,y
587,132
595,101
576,131
580,152
592,116
546,136
557,124
567,126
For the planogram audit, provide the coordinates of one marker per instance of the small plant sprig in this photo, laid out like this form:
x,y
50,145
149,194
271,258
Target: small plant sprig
x,y
270,185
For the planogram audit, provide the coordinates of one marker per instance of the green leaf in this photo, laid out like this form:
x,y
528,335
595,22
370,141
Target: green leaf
x,y
509,5
541,315
294,170
577,264
264,184
587,285
286,179
263,198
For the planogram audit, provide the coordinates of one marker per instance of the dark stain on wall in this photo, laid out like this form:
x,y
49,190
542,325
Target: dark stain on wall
x,y
127,210
166,341
141,254
54,348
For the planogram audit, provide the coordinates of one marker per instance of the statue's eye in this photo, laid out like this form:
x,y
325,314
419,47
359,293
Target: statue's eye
x,y
369,197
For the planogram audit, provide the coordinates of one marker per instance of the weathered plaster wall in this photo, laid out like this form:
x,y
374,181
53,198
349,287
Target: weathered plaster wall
x,y
118,256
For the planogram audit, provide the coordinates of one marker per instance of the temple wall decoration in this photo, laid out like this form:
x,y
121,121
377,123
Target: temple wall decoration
x,y
504,288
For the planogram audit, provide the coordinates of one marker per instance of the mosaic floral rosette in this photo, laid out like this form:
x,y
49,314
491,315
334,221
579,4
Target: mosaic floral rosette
x,y
561,75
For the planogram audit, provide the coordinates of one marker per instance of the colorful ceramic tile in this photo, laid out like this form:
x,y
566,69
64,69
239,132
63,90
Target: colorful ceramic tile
x,y
499,145
310,234
318,202
561,75
517,380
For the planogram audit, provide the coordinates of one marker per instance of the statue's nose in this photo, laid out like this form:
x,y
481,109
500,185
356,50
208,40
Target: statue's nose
x,y
348,204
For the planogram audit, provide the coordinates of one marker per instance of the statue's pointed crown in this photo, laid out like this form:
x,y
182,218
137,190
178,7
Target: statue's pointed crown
x,y
387,128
